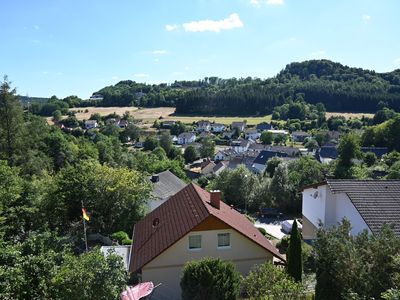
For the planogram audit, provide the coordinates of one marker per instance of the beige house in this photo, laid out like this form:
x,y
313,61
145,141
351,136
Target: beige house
x,y
191,225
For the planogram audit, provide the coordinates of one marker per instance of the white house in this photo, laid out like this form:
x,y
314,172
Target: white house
x,y
252,134
367,204
191,225
240,145
217,127
89,124
240,125
203,126
224,155
186,138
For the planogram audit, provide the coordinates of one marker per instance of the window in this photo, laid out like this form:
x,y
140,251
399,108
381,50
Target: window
x,y
194,242
224,240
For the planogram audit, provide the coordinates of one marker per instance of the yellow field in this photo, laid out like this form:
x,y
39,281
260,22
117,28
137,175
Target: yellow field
x,y
348,115
149,115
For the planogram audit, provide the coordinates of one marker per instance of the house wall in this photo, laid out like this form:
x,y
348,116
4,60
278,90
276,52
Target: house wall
x,y
167,267
330,209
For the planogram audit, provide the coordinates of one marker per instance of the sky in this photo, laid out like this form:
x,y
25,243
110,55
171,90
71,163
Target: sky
x,y
69,47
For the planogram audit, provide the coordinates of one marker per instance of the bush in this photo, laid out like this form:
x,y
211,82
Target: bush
x,y
262,230
210,279
268,282
121,237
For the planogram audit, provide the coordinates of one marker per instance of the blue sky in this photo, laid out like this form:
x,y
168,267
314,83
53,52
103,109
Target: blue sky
x,y
68,47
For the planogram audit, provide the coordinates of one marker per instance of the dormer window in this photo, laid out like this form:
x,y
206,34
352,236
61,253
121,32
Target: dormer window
x,y
224,240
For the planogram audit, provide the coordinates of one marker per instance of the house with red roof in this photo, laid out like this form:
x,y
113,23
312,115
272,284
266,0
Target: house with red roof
x,y
191,225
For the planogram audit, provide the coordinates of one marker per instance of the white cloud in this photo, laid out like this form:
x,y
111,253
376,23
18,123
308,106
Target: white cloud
x,y
318,53
366,18
160,52
255,3
156,60
233,21
36,27
275,2
171,27
141,75
397,61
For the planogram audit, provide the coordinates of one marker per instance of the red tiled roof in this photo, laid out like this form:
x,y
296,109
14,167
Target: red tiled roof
x,y
178,216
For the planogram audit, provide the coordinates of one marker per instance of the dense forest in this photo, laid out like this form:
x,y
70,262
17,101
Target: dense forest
x,y
338,87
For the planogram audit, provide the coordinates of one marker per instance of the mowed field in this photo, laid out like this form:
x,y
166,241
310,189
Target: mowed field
x,y
149,115
349,115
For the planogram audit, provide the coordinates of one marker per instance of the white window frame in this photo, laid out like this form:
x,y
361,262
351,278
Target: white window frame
x,y
192,236
230,243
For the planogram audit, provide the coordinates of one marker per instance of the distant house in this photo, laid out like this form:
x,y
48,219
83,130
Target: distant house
x,y
252,134
255,147
123,124
240,125
167,124
207,167
205,134
290,151
264,126
227,135
276,132
217,127
165,184
203,126
174,139
191,225
225,155
326,154
219,167
367,204
299,136
260,163
186,138
113,121
90,124
240,145
96,97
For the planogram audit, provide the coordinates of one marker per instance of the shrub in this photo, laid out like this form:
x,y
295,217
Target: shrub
x,y
262,230
268,282
121,237
210,278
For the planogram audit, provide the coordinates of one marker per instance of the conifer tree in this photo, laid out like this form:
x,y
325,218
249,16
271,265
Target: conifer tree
x,y
295,264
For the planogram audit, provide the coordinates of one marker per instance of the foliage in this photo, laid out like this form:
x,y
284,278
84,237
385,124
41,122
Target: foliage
x,y
294,255
190,154
122,238
266,137
348,150
207,148
210,278
268,282
150,143
364,265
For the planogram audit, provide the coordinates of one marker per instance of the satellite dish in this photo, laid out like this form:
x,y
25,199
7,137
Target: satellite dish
x,y
156,222
315,195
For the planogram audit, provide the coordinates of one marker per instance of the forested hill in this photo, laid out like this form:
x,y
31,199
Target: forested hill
x,y
338,87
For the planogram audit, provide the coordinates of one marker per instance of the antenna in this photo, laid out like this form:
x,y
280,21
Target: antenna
x,y
315,195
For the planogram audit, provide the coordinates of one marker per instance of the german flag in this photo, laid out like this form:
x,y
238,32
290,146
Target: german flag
x,y
85,215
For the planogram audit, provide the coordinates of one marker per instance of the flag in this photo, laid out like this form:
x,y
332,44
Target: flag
x,y
85,215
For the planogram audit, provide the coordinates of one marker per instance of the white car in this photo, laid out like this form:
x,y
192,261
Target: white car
x,y
287,226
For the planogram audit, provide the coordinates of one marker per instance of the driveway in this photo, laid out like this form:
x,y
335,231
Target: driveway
x,y
272,226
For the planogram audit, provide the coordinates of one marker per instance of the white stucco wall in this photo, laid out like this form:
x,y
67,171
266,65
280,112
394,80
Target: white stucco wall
x,y
330,209
167,267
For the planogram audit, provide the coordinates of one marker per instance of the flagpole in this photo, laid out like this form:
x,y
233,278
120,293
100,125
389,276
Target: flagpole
x,y
84,229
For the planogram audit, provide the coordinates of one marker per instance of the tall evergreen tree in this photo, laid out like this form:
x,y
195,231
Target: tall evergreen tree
x,y
10,122
295,263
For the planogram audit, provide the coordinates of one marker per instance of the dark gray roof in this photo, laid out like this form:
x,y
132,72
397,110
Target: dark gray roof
x,y
167,185
264,126
265,155
331,151
377,201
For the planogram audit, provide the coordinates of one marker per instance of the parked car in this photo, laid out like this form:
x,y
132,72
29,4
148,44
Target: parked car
x,y
287,226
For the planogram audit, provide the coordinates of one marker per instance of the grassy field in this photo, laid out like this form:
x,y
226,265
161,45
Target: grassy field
x,y
222,120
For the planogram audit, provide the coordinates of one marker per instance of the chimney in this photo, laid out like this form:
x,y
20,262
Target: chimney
x,y
215,198
155,178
